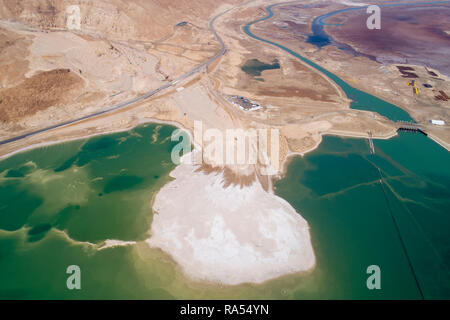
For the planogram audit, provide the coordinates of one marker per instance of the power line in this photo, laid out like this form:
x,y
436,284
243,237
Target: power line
x,y
399,235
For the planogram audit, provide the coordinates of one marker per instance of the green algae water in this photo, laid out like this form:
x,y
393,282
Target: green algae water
x,y
402,226
360,99
391,209
60,203
254,67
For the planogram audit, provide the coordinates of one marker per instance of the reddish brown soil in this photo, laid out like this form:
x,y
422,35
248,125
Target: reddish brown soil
x,y
13,53
284,91
231,178
412,35
312,86
39,92
443,96
406,72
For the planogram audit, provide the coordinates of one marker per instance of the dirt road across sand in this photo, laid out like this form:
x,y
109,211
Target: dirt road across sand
x,y
143,97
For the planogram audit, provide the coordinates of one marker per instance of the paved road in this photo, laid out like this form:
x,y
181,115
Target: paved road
x,y
141,98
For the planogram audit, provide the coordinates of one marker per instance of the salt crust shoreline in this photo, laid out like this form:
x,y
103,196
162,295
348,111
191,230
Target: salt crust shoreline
x,y
266,240
228,235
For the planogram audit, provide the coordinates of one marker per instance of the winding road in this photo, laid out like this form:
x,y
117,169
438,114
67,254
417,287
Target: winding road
x,y
122,105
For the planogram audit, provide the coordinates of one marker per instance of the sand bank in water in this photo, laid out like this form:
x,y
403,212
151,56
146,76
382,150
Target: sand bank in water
x,y
228,235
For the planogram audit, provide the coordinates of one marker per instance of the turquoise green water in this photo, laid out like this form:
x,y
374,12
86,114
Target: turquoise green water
x,y
73,185
93,190
403,223
360,99
58,204
337,189
254,67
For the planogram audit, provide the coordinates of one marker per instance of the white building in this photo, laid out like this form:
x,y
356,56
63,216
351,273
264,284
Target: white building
x,y
438,122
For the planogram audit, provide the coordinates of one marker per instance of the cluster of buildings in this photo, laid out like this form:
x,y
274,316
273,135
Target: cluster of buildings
x,y
243,103
438,122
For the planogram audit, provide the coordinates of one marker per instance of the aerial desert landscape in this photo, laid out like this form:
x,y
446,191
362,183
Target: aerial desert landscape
x,y
104,83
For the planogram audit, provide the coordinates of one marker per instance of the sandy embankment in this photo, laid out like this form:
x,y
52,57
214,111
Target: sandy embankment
x,y
116,243
229,235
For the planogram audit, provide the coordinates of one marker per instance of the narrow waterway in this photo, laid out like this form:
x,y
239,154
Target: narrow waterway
x,y
59,204
361,100
320,38
391,209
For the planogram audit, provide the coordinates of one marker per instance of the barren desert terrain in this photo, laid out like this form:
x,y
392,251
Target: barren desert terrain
x,y
124,50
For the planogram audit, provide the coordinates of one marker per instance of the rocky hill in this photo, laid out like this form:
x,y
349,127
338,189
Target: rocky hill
x,y
147,20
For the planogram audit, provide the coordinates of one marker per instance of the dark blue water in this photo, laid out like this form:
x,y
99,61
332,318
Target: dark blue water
x,y
361,100
320,38
402,223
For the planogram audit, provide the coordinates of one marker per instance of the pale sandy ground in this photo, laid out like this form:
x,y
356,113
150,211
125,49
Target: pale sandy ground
x,y
382,81
228,235
116,243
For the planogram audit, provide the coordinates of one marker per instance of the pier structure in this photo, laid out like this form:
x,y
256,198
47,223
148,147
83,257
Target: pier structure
x,y
409,127
371,145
